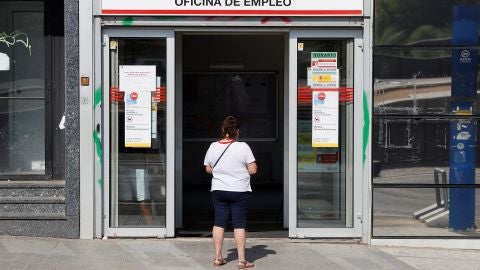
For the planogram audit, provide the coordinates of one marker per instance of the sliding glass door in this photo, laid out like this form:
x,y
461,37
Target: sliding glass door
x,y
325,178
138,132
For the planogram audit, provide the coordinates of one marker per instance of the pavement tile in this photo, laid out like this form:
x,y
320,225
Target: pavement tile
x,y
197,253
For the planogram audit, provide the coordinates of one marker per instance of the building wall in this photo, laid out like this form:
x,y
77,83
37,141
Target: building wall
x,y
72,136
48,205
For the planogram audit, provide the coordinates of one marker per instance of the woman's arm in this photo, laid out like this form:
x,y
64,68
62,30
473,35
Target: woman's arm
x,y
208,169
252,168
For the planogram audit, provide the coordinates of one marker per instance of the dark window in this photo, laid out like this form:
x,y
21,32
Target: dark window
x,y
419,146
31,90
426,114
250,96
415,23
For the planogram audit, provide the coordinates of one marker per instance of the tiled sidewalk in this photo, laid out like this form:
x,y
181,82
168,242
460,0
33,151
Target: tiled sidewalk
x,y
196,253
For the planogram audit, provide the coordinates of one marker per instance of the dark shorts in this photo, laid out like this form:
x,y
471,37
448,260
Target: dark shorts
x,y
226,202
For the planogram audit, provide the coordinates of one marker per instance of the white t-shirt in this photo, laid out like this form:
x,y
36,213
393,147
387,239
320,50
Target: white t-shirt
x,y
230,173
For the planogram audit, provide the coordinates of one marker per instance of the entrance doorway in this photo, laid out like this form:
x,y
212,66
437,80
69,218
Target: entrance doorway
x,y
242,75
155,136
138,119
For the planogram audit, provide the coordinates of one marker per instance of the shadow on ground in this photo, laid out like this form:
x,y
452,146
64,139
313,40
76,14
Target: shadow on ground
x,y
252,254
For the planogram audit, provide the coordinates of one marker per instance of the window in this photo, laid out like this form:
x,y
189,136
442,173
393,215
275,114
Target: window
x,y
31,90
426,117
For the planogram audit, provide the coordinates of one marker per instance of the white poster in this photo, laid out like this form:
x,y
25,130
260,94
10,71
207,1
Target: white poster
x,y
323,70
138,82
138,77
324,118
234,7
324,60
314,159
324,78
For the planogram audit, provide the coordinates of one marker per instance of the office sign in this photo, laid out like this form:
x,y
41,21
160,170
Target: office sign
x,y
316,159
324,118
138,83
326,60
324,78
234,7
323,72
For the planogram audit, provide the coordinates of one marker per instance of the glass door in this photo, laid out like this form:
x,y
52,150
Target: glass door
x,y
138,132
325,174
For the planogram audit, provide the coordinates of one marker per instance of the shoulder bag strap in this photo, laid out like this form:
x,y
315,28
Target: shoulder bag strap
x,y
221,155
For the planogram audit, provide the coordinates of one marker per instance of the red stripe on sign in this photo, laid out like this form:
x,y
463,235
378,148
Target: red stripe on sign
x,y
115,95
228,12
160,94
345,94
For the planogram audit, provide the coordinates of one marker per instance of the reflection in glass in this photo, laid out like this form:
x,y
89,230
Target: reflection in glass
x,y
416,212
137,175
414,82
324,177
408,150
415,23
250,96
425,67
22,88
22,136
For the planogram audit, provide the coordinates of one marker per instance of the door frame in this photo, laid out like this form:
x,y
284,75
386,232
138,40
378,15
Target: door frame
x,y
138,32
179,33
356,230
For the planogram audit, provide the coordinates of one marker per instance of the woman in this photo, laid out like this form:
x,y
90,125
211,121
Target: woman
x,y
231,163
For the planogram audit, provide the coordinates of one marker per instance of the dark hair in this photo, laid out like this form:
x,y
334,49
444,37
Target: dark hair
x,y
229,127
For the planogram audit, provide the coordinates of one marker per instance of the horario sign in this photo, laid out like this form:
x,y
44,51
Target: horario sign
x,y
234,7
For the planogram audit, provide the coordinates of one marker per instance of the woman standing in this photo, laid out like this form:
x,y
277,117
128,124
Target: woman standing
x,y
231,163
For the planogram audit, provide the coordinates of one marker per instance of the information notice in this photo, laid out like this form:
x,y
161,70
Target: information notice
x,y
324,80
138,82
318,159
324,118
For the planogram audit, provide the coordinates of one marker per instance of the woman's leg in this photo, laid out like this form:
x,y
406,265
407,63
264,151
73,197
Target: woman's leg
x,y
222,211
218,235
240,241
239,220
146,212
